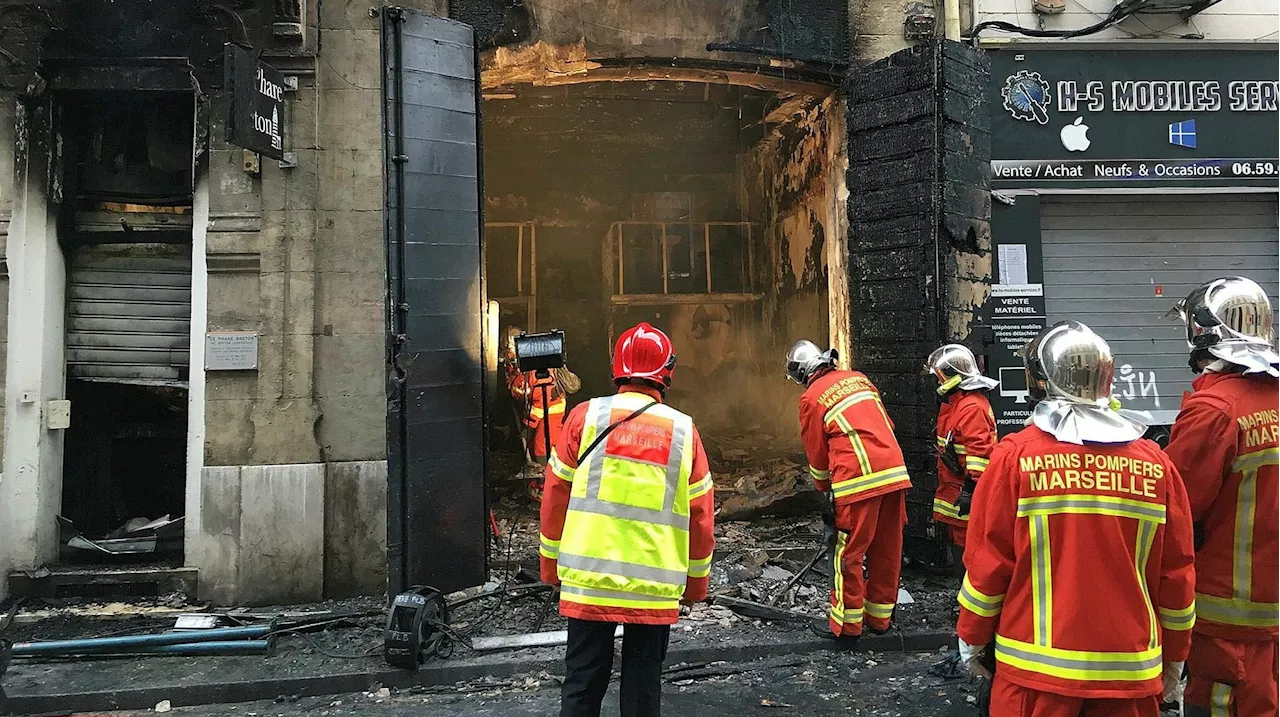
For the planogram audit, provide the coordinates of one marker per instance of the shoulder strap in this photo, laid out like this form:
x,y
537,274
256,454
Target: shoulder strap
x,y
609,429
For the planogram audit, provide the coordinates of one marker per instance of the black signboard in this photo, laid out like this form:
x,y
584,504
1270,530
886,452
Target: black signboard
x,y
1016,309
257,104
1088,118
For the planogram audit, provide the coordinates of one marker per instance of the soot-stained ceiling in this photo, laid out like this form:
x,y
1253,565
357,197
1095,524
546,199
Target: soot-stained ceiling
x,y
618,136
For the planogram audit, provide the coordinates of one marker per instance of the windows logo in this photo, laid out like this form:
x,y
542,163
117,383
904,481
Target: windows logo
x,y
1183,134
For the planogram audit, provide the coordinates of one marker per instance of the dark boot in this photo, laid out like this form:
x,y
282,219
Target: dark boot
x,y
820,627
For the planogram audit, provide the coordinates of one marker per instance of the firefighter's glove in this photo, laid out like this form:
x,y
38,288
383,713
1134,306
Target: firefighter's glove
x,y
971,657
828,509
1172,679
965,502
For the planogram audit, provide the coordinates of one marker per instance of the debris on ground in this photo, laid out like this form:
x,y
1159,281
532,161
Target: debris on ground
x,y
780,488
137,536
754,562
236,640
757,476
759,611
949,667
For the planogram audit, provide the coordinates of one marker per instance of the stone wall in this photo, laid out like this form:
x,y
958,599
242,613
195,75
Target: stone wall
x,y
298,254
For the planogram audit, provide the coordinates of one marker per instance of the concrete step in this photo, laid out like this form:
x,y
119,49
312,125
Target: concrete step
x,y
101,582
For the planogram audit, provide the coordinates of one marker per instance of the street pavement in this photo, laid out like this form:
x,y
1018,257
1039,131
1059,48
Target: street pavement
x,y
829,683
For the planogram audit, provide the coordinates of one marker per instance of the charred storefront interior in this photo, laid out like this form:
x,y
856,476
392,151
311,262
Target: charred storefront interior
x,y
125,227
124,180
108,121
704,207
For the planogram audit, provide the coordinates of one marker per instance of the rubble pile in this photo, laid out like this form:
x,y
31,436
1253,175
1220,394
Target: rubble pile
x,y
758,475
755,561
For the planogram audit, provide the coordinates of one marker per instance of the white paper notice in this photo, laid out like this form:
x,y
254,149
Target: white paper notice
x,y
1013,264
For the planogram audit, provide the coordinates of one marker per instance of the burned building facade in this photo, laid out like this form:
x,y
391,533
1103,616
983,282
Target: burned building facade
x,y
215,322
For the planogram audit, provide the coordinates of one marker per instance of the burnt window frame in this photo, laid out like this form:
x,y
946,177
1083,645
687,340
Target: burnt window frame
x,y
617,252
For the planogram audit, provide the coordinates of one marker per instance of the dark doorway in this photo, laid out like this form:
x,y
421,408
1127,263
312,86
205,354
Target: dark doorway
x,y
125,231
126,453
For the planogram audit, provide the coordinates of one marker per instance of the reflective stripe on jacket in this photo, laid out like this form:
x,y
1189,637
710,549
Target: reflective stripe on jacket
x,y
1224,444
1083,558
966,416
849,439
629,531
526,388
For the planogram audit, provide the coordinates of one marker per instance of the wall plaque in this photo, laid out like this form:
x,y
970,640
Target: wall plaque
x,y
231,351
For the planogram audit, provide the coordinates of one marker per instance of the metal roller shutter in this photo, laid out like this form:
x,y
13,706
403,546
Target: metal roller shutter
x,y
1119,263
129,314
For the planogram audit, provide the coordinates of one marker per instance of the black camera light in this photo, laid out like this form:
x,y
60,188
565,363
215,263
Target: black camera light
x,y
540,352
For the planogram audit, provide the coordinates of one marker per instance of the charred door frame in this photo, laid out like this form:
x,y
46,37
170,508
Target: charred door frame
x,y
437,524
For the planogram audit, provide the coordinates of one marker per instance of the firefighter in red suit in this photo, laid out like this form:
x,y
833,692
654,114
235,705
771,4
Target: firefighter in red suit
x,y
1224,445
1080,564
538,416
855,460
627,528
965,436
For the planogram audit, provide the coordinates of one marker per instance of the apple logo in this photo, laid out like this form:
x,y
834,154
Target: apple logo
x,y
1075,136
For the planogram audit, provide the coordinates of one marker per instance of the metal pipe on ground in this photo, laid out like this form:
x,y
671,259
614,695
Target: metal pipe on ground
x,y
131,642
198,649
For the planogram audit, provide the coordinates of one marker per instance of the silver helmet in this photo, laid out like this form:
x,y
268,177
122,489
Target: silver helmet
x,y
1230,319
1069,361
804,359
956,368
1069,371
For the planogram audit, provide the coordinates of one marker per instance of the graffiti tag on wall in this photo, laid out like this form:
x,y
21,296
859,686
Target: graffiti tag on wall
x,y
1131,384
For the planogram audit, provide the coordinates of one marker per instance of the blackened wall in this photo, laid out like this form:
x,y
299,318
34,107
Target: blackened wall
x,y
919,179
790,189
54,30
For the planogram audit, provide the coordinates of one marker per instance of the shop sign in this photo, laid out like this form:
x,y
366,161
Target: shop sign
x,y
1016,311
1134,118
257,104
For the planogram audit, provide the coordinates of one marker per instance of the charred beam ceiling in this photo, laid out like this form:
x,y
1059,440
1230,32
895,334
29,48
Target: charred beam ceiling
x,y
628,136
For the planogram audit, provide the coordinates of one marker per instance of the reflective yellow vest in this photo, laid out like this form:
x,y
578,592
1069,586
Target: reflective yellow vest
x,y
626,531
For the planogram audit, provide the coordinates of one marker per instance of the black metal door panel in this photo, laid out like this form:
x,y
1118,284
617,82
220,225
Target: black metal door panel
x,y
437,512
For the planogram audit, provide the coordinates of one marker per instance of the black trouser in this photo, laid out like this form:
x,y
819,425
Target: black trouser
x,y
588,660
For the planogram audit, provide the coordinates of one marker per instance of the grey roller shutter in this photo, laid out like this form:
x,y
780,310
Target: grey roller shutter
x,y
129,314
1119,263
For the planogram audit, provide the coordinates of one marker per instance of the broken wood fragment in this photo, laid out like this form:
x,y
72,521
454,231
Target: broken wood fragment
x,y
756,610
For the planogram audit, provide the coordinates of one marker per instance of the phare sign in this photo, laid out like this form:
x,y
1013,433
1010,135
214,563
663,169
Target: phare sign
x,y
257,104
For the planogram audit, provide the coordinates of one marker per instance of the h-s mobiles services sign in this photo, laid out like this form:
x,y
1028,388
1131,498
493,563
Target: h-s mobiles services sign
x,y
1134,118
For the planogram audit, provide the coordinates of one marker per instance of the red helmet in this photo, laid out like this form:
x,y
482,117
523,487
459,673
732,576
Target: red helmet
x,y
643,352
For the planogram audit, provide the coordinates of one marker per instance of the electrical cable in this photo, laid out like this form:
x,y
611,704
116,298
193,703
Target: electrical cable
x,y
374,650
501,592
1117,15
